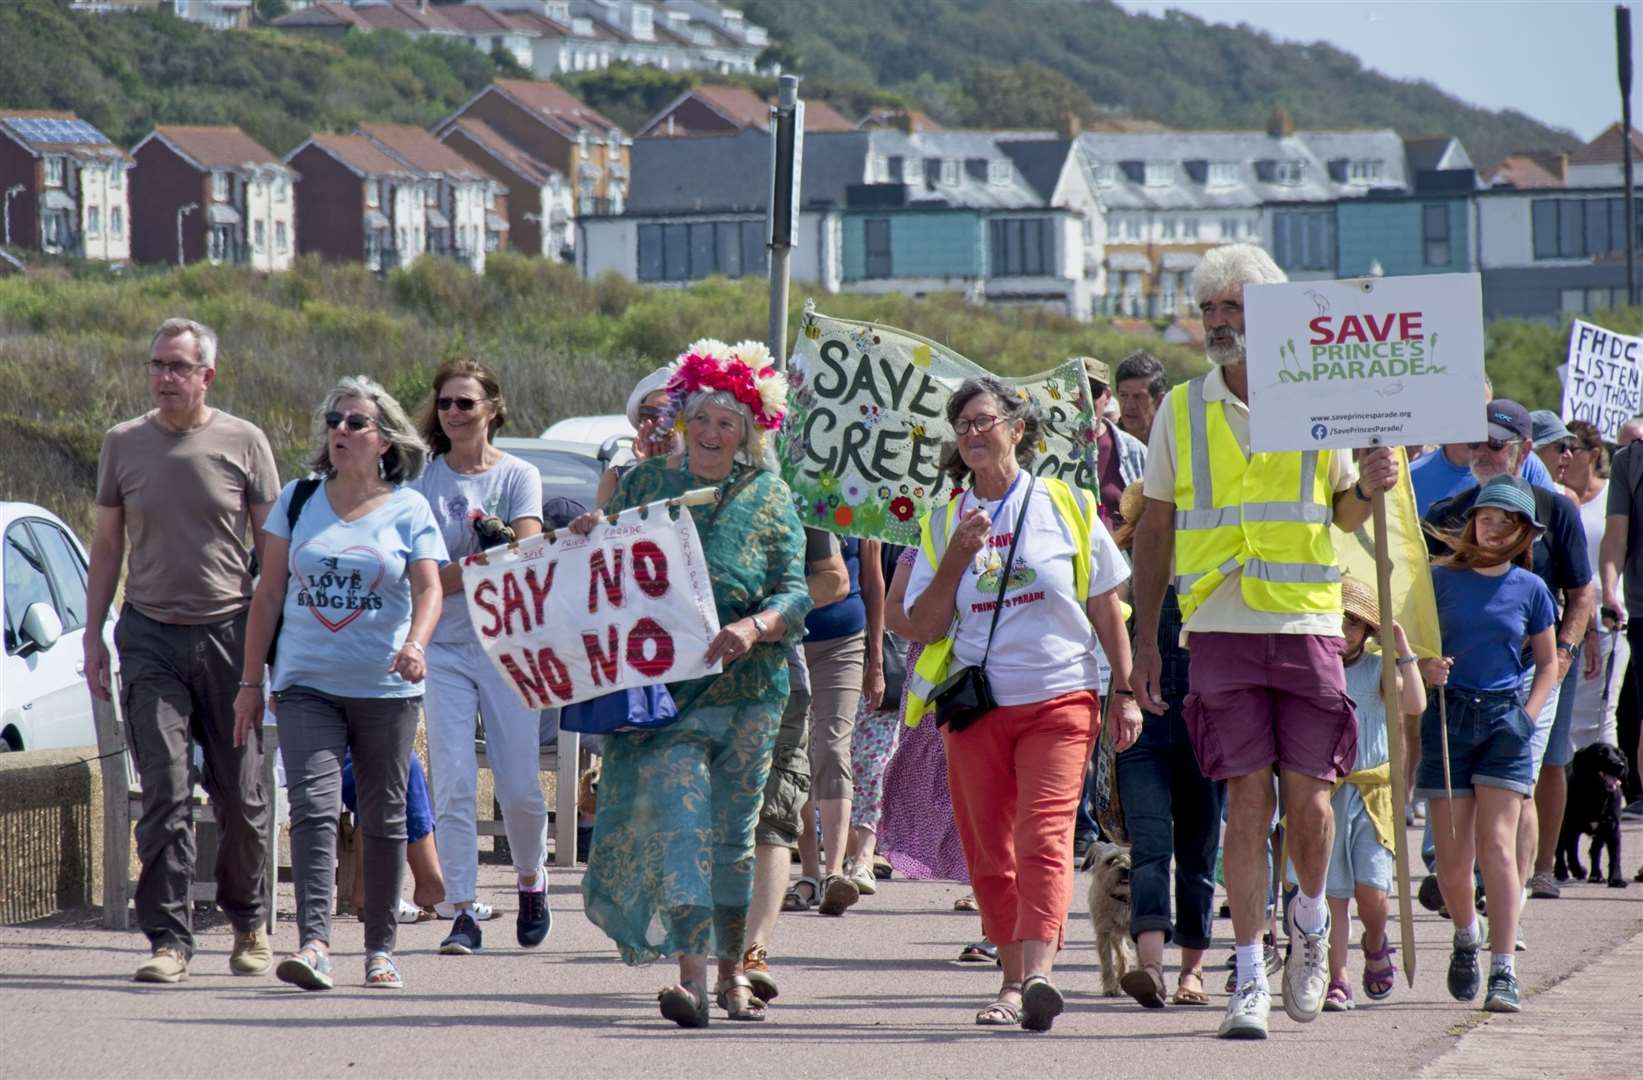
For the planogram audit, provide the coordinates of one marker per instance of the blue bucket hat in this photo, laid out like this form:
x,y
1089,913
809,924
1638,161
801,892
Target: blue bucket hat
x,y
1509,493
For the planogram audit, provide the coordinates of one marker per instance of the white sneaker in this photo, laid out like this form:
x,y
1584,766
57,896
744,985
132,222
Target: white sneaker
x,y
480,910
1247,1011
862,875
1306,973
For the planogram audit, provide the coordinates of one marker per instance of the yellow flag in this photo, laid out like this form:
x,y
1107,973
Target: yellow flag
x,y
1413,604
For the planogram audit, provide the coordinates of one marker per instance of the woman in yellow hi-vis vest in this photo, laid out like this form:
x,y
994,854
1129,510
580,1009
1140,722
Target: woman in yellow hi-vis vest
x,y
1013,574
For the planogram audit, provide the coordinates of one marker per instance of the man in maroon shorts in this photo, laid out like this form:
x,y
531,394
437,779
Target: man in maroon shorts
x,y
1248,537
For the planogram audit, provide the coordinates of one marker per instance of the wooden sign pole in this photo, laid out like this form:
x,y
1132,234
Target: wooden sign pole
x,y
1394,736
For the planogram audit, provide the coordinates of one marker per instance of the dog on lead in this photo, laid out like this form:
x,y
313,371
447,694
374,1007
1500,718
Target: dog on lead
x,y
1593,809
1109,897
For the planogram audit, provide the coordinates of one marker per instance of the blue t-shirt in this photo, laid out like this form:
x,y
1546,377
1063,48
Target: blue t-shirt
x,y
1436,478
348,600
1485,620
843,617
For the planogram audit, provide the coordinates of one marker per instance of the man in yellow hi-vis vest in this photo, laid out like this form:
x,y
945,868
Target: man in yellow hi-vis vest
x,y
1254,569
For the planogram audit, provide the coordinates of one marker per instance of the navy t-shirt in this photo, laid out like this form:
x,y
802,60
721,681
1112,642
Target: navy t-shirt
x,y
1559,553
1485,620
844,617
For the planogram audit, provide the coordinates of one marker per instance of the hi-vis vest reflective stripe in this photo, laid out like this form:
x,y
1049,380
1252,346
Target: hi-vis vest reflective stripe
x,y
1075,506
1269,514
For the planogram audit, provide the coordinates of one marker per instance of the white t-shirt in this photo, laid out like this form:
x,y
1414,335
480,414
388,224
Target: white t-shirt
x,y
1593,518
1044,646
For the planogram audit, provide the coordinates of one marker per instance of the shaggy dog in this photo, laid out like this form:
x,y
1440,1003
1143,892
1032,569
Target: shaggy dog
x,y
1110,912
587,791
1594,808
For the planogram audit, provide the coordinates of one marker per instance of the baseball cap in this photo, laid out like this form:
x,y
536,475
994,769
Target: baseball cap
x,y
1548,427
1508,421
1509,493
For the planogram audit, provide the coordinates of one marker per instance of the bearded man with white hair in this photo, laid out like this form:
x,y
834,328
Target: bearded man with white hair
x,y
1254,569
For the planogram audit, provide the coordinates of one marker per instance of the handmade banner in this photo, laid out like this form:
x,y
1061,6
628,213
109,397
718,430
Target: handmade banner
x,y
566,618
1603,382
1364,362
867,427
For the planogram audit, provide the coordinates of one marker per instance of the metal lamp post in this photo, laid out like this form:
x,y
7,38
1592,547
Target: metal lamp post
x,y
182,212
11,192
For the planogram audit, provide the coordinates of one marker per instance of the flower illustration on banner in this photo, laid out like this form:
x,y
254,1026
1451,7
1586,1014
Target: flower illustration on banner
x,y
827,482
820,507
843,516
870,416
854,492
901,507
884,491
869,519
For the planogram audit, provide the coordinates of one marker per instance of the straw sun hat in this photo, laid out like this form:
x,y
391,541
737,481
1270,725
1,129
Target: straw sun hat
x,y
1359,600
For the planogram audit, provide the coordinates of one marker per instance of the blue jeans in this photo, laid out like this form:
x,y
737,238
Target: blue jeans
x,y
1170,808
419,810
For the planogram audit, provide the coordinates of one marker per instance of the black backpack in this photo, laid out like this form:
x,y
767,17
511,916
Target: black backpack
x,y
299,498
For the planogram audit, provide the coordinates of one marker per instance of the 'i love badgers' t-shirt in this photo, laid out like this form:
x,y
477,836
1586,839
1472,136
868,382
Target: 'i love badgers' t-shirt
x,y
348,599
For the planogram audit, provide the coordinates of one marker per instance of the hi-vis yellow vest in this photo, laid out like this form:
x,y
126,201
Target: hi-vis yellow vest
x,y
1268,514
1075,506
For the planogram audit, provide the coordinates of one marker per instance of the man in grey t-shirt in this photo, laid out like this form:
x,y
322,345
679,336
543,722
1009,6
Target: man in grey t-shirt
x,y
180,489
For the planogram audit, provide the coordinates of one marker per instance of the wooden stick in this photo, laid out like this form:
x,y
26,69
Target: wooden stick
x,y
1394,736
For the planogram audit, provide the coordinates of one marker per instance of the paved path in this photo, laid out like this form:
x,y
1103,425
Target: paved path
x,y
871,994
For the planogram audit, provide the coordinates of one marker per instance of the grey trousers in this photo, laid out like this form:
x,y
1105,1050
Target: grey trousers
x,y
315,730
177,687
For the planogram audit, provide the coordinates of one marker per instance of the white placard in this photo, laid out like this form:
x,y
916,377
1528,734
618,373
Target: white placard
x,y
571,618
1365,362
1602,382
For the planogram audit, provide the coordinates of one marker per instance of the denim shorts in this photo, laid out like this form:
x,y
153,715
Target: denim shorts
x,y
1491,740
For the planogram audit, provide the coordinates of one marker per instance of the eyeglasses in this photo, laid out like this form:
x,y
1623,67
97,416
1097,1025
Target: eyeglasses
x,y
980,425
1494,444
177,369
1568,446
466,404
353,421
649,412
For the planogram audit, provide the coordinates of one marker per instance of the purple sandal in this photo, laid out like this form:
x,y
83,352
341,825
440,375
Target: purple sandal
x,y
1339,998
1378,982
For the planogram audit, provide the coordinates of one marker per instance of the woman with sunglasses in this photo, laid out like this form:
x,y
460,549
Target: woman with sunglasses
x,y
350,584
652,438
470,484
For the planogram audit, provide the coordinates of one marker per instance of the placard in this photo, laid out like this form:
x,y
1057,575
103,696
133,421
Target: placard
x,y
1365,362
567,618
1603,380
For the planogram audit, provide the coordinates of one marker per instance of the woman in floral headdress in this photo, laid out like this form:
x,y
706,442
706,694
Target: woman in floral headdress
x,y
671,873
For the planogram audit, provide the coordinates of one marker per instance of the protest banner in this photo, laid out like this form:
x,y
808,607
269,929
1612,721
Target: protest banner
x,y
1603,380
867,427
566,618
1414,605
1365,362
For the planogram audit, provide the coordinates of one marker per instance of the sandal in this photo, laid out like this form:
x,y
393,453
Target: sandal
x,y
756,966
684,1006
839,894
967,902
753,1010
1041,1003
797,901
1001,1013
1146,985
407,913
309,968
1186,995
982,952
1379,981
1339,998
381,973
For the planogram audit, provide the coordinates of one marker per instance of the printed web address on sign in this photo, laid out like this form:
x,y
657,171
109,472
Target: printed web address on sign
x,y
1361,417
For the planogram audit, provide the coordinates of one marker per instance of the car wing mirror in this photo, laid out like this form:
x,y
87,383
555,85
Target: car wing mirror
x,y
608,448
41,626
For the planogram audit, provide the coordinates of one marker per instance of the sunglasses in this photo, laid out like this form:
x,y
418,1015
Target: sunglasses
x,y
649,412
1569,446
1497,445
353,421
466,404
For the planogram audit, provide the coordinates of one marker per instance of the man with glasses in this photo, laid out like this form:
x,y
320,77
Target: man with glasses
x,y
1448,472
183,487
1561,560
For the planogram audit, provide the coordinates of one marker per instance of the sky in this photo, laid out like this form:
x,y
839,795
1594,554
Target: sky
x,y
1551,59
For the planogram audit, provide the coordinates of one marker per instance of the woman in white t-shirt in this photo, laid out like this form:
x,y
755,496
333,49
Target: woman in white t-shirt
x,y
473,487
1017,772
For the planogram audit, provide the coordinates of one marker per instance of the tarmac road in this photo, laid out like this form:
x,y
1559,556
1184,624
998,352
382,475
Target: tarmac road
x,y
874,993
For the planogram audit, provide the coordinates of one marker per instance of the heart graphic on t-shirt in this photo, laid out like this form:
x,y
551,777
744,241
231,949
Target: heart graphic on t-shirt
x,y
340,587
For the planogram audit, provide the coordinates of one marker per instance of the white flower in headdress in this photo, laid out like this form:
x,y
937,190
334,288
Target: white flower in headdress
x,y
773,393
710,347
753,354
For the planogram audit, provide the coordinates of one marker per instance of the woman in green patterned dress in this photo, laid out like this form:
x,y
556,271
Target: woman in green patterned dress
x,y
671,871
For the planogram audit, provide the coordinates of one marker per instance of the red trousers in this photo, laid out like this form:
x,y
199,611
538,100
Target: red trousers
x,y
1016,776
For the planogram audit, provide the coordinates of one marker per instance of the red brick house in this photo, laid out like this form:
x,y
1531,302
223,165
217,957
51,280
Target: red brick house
x,y
218,193
537,211
63,186
459,203
725,110
355,201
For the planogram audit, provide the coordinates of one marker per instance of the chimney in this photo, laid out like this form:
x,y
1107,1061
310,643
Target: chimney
x,y
903,120
1280,126
1070,125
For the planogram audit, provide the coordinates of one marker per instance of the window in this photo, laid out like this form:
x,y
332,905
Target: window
x,y
430,195
1289,173
26,582
282,242
1577,228
1304,240
877,246
1222,174
1189,227
999,173
1363,172
94,221
896,169
68,573
117,223
1158,174
490,197
259,235
373,193
282,189
116,176
1132,228
1022,246
950,172
1102,174
54,172
1168,227
219,187
1435,234
684,252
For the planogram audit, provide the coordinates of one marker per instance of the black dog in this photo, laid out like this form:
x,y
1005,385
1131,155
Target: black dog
x,y
1594,807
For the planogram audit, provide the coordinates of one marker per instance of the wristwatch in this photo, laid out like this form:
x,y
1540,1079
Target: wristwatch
x,y
1565,647
1408,658
759,625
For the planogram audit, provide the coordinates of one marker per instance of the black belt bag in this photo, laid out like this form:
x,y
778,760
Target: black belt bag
x,y
965,696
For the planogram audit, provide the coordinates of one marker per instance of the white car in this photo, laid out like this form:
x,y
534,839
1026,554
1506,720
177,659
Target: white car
x,y
608,438
44,702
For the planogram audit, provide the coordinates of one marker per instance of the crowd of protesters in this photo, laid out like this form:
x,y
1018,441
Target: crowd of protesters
x,y
881,707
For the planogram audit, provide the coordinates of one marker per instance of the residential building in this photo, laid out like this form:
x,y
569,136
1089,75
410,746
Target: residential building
x,y
548,124
335,18
908,120
213,14
212,194
1529,169
459,197
539,211
1601,162
355,201
64,186
719,110
1545,254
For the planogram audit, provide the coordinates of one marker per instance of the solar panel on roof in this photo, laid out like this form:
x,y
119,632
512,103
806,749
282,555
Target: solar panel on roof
x,y
47,129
